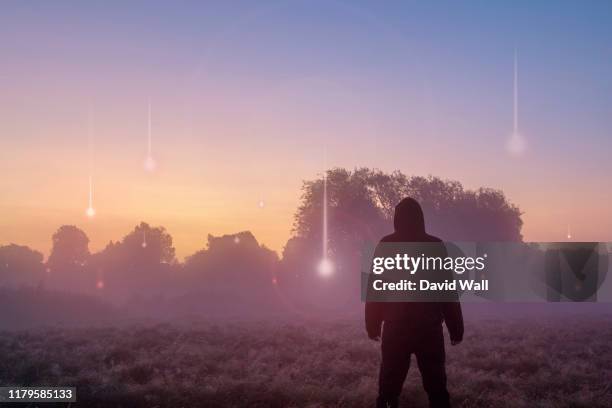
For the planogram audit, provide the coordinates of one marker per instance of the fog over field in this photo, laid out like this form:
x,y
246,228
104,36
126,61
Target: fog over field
x,y
236,324
511,363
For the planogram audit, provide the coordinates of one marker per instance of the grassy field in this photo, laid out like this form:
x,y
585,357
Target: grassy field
x,y
567,363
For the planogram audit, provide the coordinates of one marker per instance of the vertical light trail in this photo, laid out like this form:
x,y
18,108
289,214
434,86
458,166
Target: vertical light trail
x,y
149,130
90,210
326,267
149,162
325,214
516,145
569,232
515,93
90,135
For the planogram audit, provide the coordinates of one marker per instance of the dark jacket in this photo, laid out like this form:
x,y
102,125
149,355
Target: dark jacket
x,y
409,224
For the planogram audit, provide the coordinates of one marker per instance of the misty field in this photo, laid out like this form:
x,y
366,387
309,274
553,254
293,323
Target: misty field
x,y
567,363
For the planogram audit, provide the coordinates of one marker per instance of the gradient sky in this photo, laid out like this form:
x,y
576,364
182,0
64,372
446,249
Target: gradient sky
x,y
247,96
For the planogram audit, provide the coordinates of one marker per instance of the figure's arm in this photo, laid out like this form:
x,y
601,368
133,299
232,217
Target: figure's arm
x,y
453,318
451,311
373,319
373,310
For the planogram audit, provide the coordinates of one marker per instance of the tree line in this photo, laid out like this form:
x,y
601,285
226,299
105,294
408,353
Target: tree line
x,y
360,209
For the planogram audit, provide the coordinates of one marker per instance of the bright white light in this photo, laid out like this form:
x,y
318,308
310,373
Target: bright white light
x,y
569,232
326,267
261,204
90,212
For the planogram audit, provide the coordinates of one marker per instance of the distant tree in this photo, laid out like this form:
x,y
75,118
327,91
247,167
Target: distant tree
x,y
20,265
234,274
147,245
140,263
234,259
70,251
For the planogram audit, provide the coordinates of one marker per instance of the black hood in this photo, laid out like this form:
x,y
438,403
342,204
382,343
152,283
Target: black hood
x,y
408,219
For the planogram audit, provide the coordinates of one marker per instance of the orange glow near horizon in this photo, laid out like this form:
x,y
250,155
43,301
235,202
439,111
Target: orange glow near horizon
x,y
193,198
210,128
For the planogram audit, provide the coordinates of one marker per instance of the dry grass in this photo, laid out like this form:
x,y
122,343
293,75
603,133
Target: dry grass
x,y
519,364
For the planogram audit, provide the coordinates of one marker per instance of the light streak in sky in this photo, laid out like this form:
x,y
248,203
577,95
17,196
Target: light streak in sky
x,y
149,163
569,232
90,212
517,144
144,238
326,267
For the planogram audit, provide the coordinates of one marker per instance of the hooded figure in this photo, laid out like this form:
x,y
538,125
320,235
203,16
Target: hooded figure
x,y
412,327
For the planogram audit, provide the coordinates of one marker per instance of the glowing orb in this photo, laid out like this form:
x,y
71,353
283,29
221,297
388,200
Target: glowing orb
x,y
90,212
261,204
144,244
569,236
516,145
150,164
274,281
326,267
236,240
100,284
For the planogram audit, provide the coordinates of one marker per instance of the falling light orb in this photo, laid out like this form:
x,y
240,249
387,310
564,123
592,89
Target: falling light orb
x,y
150,164
516,145
90,212
100,284
236,240
144,244
261,204
326,267
274,281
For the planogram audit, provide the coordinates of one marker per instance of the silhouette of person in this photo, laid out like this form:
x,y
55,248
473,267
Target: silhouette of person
x,y
412,327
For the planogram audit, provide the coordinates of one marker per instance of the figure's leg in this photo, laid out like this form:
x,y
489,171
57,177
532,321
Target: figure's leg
x,y
431,361
393,368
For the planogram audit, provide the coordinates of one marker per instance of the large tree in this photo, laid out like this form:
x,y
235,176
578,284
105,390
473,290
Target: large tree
x,y
360,210
361,204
